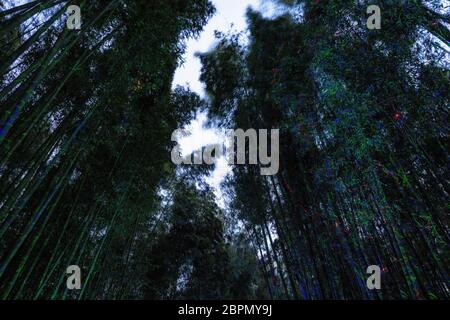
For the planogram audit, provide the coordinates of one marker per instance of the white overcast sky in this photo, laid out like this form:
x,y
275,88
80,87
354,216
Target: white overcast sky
x,y
228,12
230,15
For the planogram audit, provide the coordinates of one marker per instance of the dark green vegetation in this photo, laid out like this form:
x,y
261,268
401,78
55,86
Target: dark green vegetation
x,y
86,118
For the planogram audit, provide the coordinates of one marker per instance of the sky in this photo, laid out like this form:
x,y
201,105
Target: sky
x,y
230,15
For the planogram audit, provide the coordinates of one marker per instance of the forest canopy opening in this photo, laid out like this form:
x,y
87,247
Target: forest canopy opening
x,y
356,206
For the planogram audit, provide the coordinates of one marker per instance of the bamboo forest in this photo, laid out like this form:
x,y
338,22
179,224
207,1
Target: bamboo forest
x,y
357,92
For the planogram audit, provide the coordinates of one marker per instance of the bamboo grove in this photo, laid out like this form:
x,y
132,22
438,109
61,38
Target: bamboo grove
x,y
86,179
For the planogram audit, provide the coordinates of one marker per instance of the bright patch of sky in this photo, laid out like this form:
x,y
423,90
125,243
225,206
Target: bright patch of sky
x,y
230,16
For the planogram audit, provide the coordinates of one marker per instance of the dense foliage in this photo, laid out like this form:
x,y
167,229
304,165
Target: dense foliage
x,y
364,134
86,118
